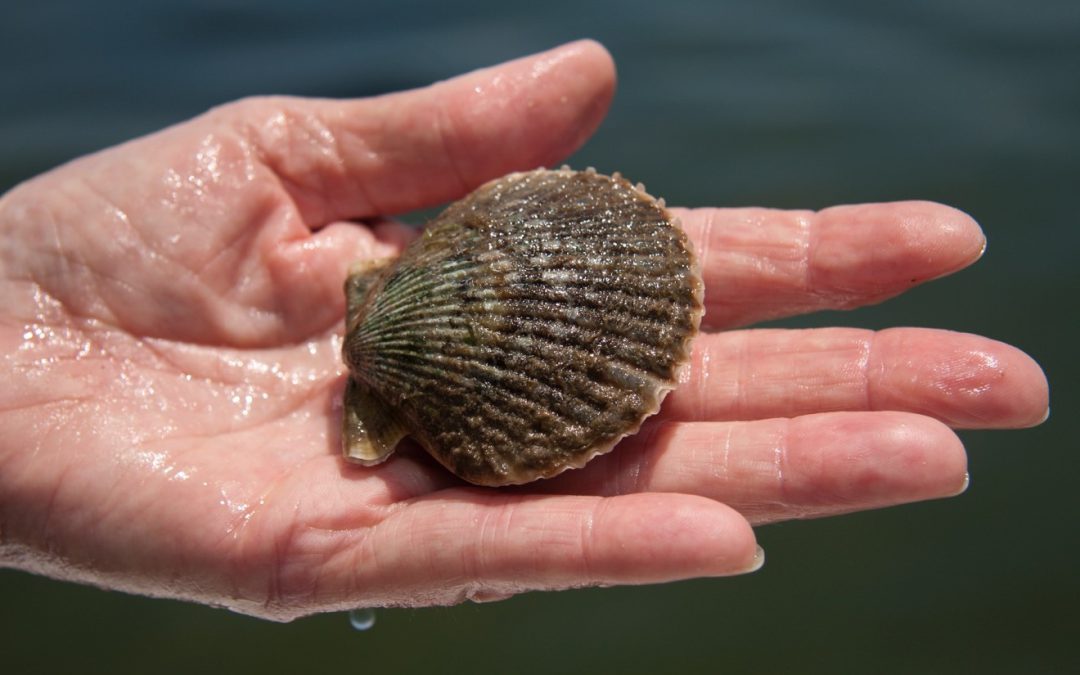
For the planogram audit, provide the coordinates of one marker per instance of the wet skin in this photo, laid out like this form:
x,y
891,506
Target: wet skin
x,y
170,345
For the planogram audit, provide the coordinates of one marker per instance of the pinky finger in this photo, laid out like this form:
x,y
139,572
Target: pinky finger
x,y
461,545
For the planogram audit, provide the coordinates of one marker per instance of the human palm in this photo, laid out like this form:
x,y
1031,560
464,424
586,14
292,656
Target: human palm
x,y
171,331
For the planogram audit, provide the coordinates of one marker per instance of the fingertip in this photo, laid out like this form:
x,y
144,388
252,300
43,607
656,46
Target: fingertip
x,y
1017,397
882,249
868,460
915,457
597,66
533,111
1030,407
694,536
930,447
966,380
591,48
960,240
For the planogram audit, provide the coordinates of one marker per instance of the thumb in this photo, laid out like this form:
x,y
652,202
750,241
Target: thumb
x,y
388,154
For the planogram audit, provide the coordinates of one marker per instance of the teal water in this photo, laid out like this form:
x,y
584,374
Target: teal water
x,y
772,102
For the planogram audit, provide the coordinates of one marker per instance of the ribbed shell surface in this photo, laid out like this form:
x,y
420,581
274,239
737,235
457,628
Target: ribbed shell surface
x,y
533,324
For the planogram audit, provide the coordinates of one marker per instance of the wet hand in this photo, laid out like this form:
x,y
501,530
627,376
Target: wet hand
x,y
171,331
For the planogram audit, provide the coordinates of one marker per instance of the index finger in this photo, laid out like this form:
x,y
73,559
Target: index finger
x,y
760,264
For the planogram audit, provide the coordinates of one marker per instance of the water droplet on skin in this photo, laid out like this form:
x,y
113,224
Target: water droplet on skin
x,y
362,619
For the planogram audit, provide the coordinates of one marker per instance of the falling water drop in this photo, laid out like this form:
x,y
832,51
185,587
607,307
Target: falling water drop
x,y
362,619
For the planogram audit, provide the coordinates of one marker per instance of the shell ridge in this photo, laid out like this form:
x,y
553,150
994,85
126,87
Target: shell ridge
x,y
406,289
524,389
458,375
518,394
547,326
547,320
621,306
654,390
417,321
544,330
606,356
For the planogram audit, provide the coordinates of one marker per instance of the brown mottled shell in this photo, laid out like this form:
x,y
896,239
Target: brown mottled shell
x,y
534,324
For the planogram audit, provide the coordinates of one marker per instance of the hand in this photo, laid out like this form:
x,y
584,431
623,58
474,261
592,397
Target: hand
x,y
170,333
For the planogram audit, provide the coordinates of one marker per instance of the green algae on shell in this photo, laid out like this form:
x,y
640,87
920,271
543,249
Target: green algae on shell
x,y
534,324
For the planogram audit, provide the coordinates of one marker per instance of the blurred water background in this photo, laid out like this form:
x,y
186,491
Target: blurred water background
x,y
774,102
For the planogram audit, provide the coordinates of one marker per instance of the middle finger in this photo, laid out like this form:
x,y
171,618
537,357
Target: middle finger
x,y
964,380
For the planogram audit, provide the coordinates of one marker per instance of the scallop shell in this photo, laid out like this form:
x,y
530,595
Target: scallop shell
x,y
534,324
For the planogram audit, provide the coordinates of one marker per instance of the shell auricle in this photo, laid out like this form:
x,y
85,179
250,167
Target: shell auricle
x,y
534,324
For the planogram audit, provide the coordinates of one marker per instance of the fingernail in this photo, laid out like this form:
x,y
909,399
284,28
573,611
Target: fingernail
x,y
1046,416
965,484
757,561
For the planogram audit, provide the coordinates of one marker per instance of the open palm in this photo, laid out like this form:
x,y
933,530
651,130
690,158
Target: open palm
x,y
171,328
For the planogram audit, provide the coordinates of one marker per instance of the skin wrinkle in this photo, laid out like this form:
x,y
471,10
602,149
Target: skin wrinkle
x,y
318,130
364,559
154,346
248,426
703,251
247,239
702,388
373,157
235,364
352,555
223,434
45,431
46,342
588,540
640,466
316,595
445,129
493,572
809,230
145,245
96,278
291,593
111,514
318,134
292,188
66,262
864,366
52,402
274,598
45,528
783,445
723,470
742,376
284,588
468,556
156,259
53,225
244,239
96,275
474,559
265,133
